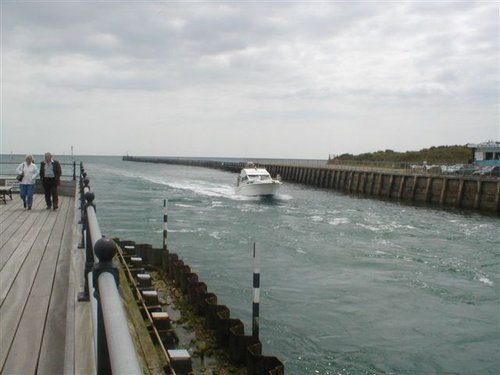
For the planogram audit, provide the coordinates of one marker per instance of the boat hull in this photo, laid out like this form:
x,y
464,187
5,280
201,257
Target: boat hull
x,y
258,189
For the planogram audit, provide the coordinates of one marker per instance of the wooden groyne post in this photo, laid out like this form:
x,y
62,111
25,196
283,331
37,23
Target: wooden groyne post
x,y
165,223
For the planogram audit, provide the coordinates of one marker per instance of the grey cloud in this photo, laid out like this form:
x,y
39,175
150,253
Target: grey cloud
x,y
284,59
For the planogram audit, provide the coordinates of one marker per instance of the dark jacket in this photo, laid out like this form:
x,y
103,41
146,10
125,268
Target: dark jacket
x,y
57,170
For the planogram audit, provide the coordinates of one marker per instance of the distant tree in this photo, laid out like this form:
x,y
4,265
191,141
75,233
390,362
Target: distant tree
x,y
433,155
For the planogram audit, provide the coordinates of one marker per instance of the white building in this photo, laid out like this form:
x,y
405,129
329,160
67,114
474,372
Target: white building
x,y
486,153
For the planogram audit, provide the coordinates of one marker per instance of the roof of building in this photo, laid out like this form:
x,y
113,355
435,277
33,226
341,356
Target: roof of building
x,y
488,144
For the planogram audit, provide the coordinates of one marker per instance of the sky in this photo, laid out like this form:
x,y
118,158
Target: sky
x,y
270,79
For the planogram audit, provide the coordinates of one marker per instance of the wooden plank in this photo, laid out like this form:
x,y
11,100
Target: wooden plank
x,y
10,239
36,312
79,350
15,302
76,264
30,330
9,216
23,244
8,231
53,343
8,209
84,361
75,277
19,285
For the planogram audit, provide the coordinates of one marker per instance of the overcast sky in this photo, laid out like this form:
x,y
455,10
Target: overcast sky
x,y
284,79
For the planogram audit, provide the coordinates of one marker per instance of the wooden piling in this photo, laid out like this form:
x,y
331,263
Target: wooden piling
x,y
444,188
497,197
479,185
428,189
379,184
351,179
460,193
391,183
401,186
414,187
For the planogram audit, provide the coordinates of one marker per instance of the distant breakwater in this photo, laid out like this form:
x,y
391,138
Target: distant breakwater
x,y
464,192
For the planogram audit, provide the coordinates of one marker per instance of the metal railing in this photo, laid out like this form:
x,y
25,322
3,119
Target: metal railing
x,y
8,169
115,350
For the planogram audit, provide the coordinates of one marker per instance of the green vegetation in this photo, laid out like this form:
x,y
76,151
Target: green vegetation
x,y
434,155
192,333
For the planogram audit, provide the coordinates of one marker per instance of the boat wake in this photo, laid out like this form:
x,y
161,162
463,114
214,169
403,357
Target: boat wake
x,y
199,187
210,189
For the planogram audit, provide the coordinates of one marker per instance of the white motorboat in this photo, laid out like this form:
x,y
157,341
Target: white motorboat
x,y
254,181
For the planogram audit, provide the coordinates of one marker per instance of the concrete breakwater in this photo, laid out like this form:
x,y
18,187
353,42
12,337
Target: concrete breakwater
x,y
468,192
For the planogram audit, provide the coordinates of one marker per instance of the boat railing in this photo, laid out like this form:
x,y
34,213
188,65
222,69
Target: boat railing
x,y
114,348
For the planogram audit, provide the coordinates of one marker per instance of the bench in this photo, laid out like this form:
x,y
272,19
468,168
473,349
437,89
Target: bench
x,y
11,186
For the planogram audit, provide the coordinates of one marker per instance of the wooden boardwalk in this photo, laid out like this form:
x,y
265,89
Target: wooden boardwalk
x,y
41,324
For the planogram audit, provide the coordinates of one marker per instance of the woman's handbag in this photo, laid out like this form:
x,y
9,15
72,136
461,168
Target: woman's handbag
x,y
20,176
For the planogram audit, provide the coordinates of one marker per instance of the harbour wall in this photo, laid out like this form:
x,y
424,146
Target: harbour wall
x,y
464,192
244,350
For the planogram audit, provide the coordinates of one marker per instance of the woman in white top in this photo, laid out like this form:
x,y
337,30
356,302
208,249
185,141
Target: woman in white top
x,y
27,184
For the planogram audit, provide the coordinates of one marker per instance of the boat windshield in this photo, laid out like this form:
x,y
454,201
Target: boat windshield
x,y
259,176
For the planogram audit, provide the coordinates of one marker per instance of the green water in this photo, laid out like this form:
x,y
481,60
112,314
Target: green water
x,y
348,285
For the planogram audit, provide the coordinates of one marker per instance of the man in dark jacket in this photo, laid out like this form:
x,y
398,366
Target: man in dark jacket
x,y
50,173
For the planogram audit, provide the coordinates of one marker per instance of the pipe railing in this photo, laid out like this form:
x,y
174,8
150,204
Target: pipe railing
x,y
8,169
115,349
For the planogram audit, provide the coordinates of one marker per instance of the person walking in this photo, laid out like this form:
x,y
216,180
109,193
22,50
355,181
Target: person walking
x,y
27,185
50,172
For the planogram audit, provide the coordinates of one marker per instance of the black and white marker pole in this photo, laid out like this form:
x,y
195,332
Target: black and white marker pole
x,y
256,291
165,220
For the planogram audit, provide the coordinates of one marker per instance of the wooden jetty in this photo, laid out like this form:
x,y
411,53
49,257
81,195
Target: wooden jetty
x,y
42,327
63,309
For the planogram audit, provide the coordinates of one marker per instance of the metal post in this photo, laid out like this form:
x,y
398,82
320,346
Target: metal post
x,y
82,206
103,362
89,248
165,220
256,292
105,251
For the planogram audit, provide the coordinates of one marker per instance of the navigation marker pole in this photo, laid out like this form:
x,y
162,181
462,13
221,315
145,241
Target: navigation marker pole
x,y
165,219
256,292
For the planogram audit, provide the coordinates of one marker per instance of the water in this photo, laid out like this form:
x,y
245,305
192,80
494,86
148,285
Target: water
x,y
348,285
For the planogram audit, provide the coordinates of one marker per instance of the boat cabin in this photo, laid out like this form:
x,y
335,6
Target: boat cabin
x,y
254,174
